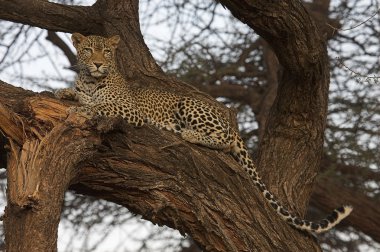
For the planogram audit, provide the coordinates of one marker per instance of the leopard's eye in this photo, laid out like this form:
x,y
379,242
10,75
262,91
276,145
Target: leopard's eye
x,y
107,52
87,50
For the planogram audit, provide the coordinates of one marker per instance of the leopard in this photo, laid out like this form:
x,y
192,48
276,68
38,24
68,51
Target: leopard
x,y
102,90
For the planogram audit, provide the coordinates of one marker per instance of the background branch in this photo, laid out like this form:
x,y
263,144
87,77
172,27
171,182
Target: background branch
x,y
51,16
70,55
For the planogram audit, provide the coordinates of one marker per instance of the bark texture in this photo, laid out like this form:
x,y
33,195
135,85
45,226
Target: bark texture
x,y
293,139
42,159
154,173
198,191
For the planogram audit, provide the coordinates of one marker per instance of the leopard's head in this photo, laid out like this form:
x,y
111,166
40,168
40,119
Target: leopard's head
x,y
95,54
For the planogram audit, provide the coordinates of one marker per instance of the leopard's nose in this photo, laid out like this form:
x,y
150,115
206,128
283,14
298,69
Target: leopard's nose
x,y
97,64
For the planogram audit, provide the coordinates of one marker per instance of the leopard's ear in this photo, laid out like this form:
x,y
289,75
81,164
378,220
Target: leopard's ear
x,y
77,38
114,41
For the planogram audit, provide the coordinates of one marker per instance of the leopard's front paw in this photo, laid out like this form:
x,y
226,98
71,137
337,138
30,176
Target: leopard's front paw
x,y
83,111
66,94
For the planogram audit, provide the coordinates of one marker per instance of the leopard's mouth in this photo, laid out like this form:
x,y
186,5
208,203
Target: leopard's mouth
x,y
98,73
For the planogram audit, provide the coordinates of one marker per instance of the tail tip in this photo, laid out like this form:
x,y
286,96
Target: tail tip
x,y
342,212
339,214
346,210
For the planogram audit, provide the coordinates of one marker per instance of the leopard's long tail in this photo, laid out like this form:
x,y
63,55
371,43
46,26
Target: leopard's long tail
x,y
240,153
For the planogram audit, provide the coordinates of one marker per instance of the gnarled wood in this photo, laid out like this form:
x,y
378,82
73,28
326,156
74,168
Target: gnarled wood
x,y
293,139
196,190
39,172
51,16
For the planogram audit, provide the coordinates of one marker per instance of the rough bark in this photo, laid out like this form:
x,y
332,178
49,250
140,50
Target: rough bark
x,y
154,173
51,16
193,189
40,166
292,143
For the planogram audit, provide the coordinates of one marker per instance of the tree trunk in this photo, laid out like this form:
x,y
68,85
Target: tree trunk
x,y
201,192
42,160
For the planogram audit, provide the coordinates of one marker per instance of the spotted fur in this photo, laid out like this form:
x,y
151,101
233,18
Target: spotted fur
x,y
102,90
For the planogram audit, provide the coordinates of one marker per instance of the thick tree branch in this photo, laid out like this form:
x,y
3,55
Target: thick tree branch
x,y
152,172
38,174
282,24
40,178
294,135
51,16
199,191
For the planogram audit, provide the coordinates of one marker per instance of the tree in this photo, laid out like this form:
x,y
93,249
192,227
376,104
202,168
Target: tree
x,y
152,172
